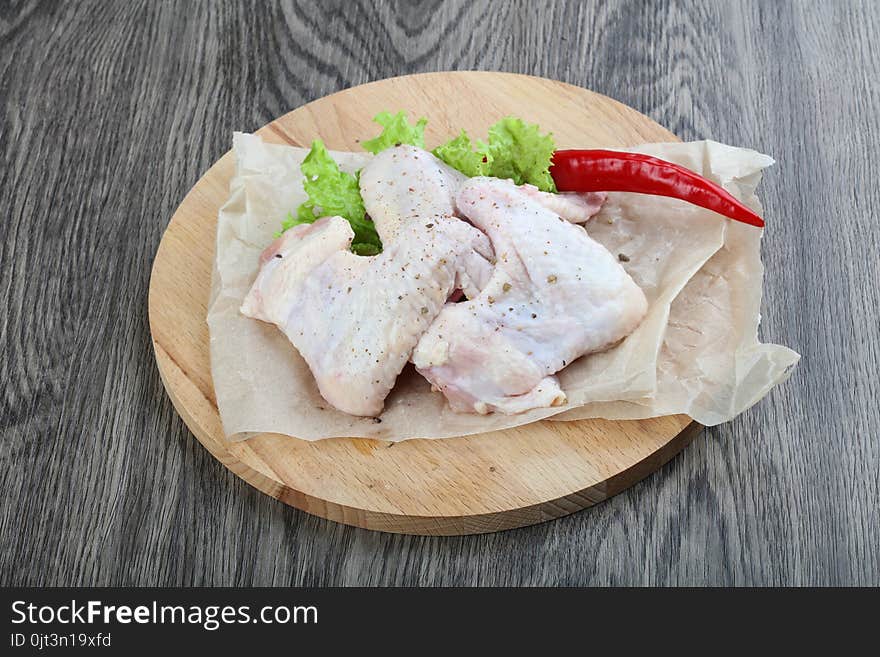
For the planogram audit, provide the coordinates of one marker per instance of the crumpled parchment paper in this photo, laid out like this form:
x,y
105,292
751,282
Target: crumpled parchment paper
x,y
696,351
711,365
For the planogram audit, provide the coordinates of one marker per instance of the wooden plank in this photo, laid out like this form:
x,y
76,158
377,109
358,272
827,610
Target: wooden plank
x,y
104,484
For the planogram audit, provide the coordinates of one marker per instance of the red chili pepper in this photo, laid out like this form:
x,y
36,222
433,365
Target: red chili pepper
x,y
597,170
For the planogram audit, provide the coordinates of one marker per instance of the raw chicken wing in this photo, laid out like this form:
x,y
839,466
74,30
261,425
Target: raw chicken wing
x,y
355,320
555,295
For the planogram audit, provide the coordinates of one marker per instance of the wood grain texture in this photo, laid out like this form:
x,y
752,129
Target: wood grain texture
x,y
470,485
112,111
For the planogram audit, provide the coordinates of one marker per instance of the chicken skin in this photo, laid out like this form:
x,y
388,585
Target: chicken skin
x,y
554,295
575,207
355,320
404,184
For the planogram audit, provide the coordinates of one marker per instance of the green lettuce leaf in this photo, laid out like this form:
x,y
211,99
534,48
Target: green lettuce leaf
x,y
460,154
396,130
333,192
514,150
519,151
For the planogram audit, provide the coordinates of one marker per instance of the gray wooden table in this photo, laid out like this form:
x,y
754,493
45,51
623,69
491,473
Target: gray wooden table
x,y
112,111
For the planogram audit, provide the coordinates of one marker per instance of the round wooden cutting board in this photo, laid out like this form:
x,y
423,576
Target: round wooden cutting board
x,y
463,485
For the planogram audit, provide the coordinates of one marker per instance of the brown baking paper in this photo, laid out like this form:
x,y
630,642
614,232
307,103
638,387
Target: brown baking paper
x,y
711,365
263,385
